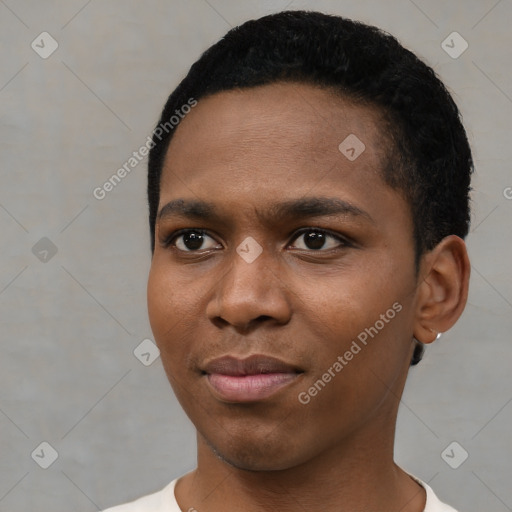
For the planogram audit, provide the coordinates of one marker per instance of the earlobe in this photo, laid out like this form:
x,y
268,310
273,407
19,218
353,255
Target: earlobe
x,y
442,292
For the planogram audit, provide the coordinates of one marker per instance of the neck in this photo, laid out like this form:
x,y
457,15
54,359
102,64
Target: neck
x,y
357,474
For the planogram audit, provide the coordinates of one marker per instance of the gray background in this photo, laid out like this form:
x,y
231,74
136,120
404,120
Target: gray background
x,y
70,321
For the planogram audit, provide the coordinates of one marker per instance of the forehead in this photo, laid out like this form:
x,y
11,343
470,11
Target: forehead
x,y
291,120
283,140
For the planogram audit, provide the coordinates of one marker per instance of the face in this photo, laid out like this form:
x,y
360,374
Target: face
x,y
282,285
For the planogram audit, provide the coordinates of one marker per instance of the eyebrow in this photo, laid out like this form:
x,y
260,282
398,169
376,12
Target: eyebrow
x,y
305,207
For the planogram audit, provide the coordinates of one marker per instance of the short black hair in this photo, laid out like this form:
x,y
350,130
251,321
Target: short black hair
x,y
430,159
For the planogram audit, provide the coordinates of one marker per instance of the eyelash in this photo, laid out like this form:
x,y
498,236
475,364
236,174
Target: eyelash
x,y
344,242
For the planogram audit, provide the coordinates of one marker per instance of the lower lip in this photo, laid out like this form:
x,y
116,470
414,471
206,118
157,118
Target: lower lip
x,y
249,388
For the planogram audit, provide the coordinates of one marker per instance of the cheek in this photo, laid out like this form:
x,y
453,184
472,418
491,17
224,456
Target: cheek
x,y
173,323
173,311
363,321
157,300
165,309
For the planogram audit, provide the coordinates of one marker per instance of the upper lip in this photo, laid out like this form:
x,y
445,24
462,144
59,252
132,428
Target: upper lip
x,y
252,365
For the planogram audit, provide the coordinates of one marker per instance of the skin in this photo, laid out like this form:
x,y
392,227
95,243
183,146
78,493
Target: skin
x,y
244,151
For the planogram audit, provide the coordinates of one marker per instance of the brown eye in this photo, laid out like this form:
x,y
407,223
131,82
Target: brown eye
x,y
317,239
192,240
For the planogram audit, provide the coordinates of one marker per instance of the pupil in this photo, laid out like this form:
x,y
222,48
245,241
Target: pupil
x,y
193,240
315,240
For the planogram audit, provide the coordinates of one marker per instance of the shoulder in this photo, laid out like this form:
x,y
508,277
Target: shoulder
x,y
165,501
160,501
434,504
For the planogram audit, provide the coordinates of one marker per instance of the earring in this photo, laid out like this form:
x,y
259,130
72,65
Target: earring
x,y
438,334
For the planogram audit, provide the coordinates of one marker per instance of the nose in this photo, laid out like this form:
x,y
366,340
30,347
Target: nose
x,y
250,293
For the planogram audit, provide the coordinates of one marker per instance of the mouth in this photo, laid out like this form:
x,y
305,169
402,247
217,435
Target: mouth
x,y
251,379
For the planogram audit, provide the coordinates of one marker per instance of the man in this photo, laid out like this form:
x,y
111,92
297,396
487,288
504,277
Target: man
x,y
307,212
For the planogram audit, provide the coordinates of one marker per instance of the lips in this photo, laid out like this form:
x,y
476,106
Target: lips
x,y
251,379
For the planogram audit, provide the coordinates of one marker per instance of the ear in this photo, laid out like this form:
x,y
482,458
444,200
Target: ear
x,y
443,288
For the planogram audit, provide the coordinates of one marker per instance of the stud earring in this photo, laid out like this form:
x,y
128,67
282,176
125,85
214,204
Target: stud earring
x,y
438,334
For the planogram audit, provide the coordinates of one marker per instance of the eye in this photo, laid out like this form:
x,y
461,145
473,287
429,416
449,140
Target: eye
x,y
191,240
316,239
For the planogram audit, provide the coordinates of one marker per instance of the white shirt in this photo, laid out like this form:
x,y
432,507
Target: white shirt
x,y
165,501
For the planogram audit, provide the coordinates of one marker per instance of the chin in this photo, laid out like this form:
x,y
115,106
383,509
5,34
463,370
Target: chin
x,y
250,452
248,460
